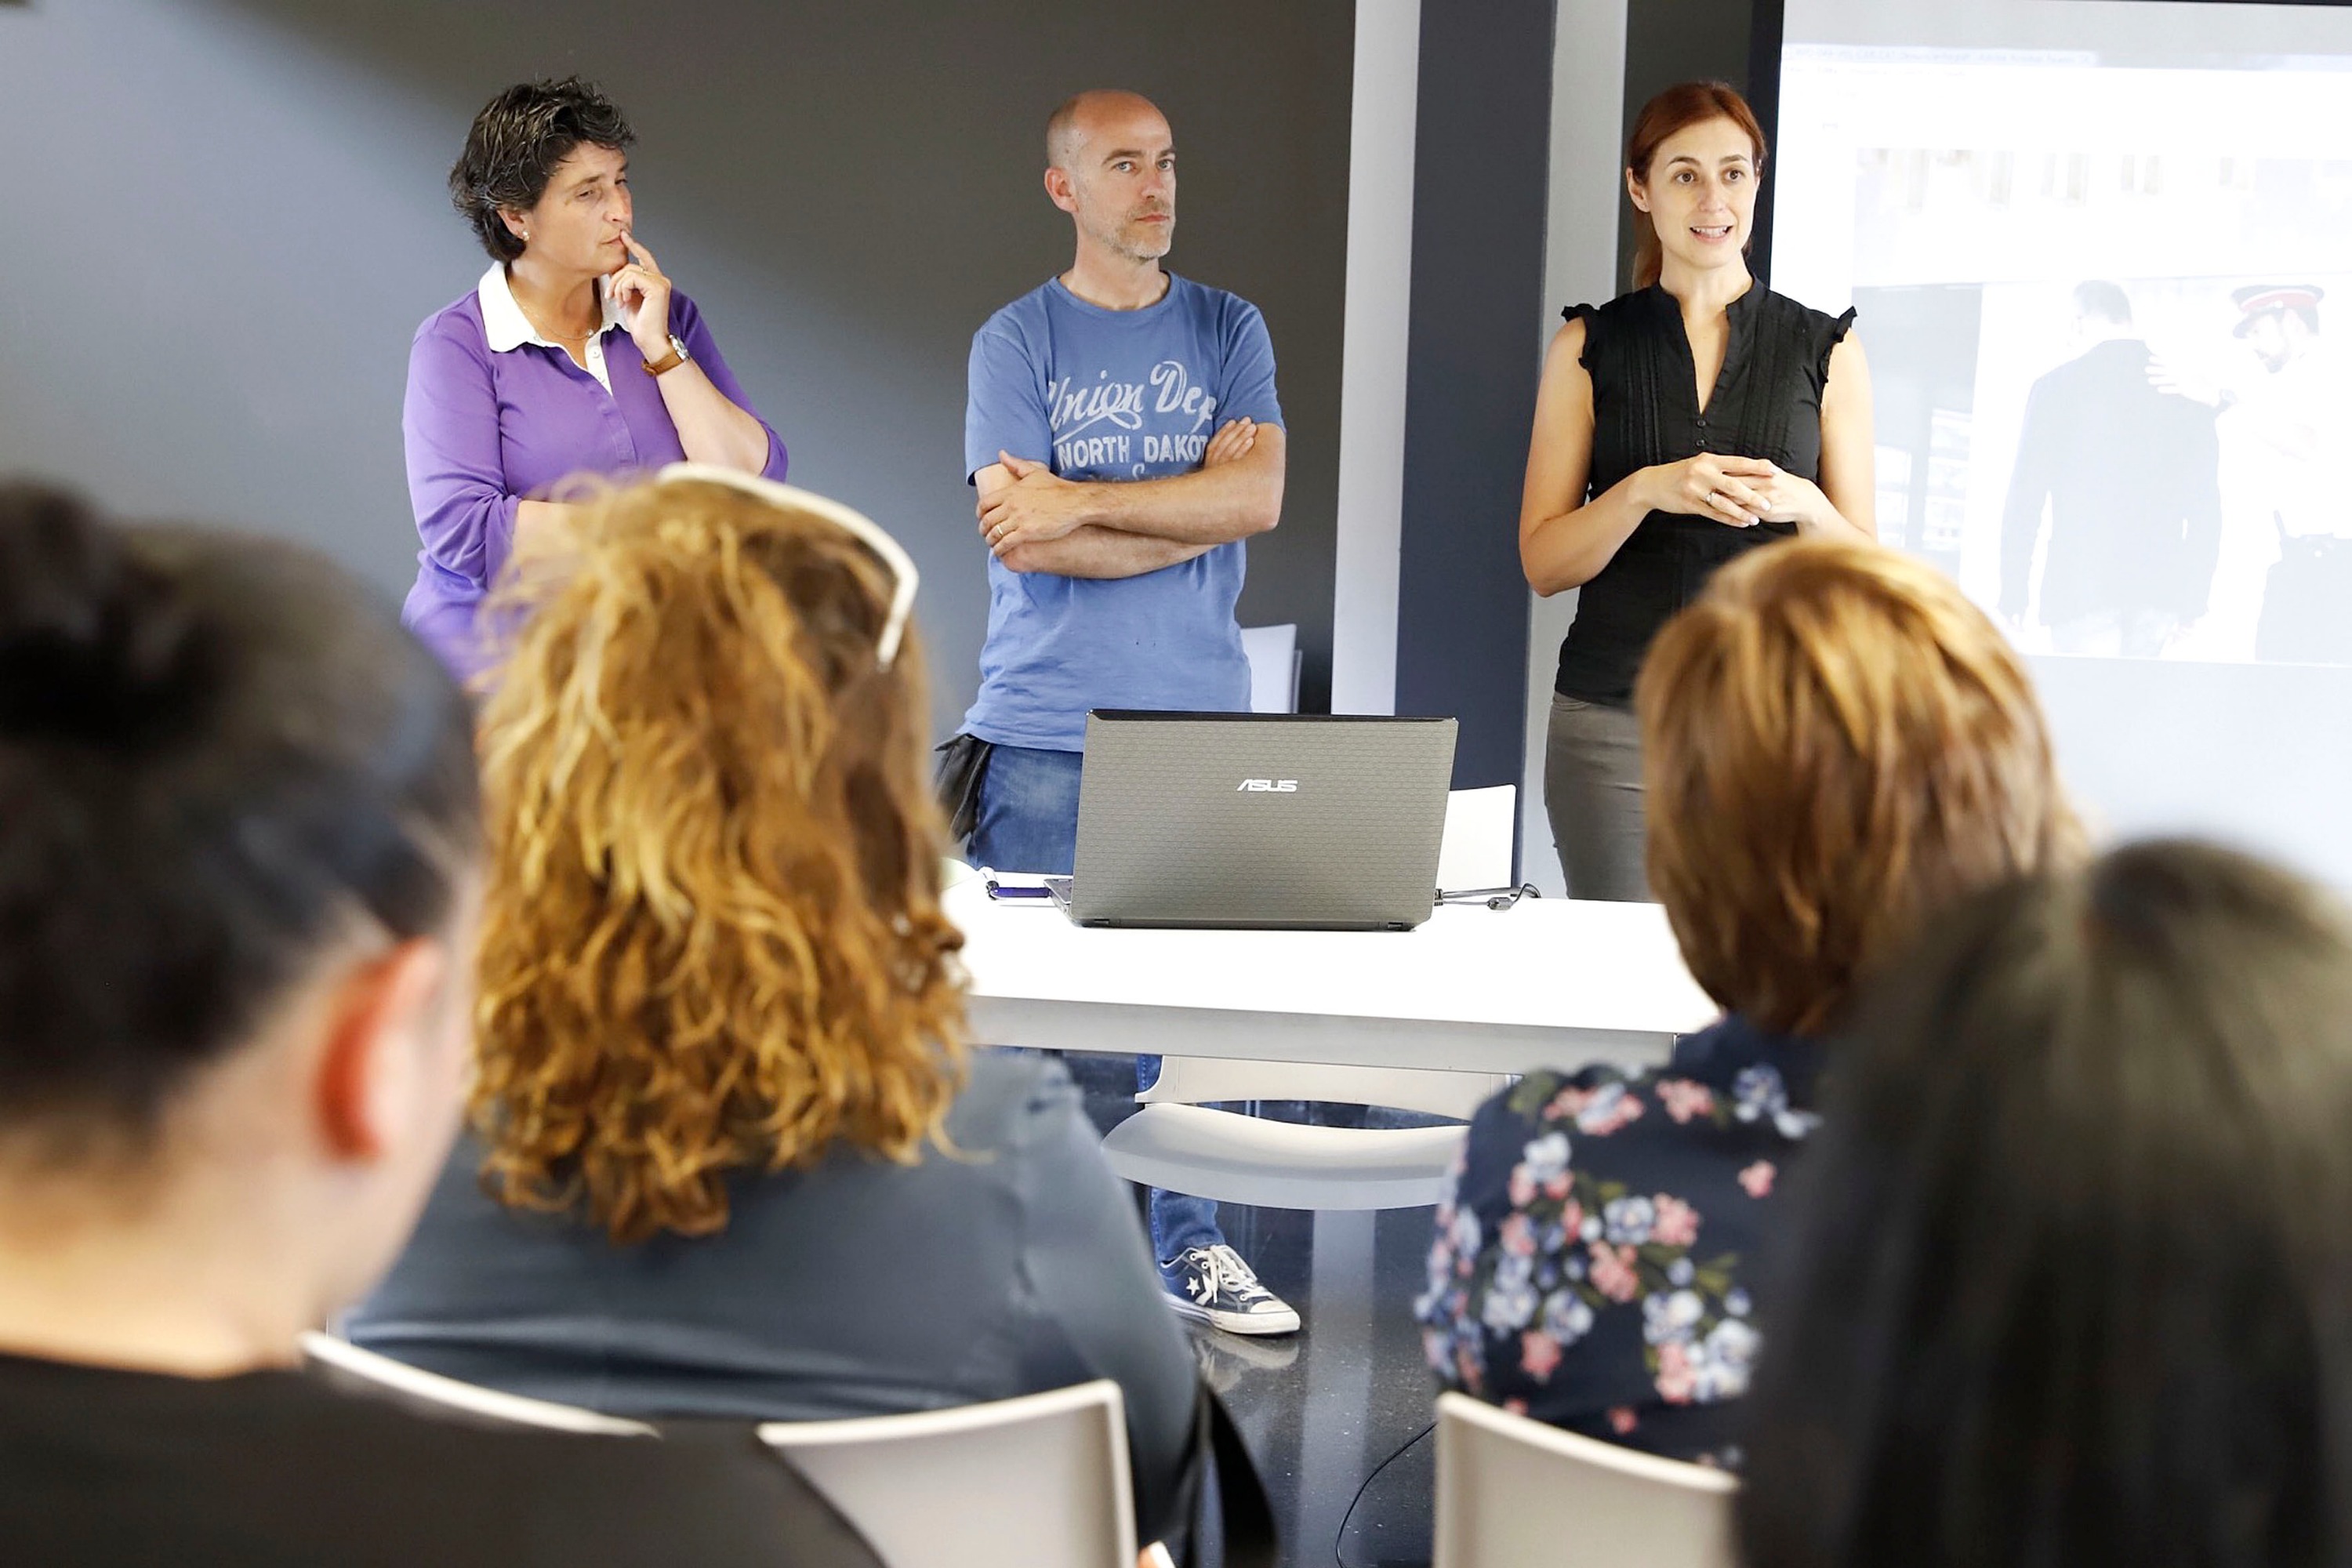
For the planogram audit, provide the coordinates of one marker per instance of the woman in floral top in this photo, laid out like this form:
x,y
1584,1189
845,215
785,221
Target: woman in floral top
x,y
1835,742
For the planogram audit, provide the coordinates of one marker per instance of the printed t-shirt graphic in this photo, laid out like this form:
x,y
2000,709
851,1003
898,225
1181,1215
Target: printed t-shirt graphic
x,y
1112,396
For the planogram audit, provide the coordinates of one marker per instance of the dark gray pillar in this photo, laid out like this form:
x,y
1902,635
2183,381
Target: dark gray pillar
x,y
1480,181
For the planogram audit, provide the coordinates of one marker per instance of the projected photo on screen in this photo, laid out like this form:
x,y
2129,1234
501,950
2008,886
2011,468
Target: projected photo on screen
x,y
2106,290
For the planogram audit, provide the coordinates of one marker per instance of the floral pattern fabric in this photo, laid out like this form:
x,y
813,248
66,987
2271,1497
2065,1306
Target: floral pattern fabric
x,y
1591,1260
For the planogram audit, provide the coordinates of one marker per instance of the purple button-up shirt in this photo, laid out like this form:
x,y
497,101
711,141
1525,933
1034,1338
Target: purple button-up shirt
x,y
495,415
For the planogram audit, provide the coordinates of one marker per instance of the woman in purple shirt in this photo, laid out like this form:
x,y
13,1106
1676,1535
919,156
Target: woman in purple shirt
x,y
573,356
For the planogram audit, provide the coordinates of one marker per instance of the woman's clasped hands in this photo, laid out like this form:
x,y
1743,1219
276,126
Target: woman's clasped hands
x,y
1737,491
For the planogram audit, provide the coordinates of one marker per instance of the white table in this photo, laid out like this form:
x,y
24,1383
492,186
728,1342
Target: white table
x,y
1550,983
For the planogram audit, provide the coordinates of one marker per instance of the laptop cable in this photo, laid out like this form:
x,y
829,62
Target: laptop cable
x,y
1493,898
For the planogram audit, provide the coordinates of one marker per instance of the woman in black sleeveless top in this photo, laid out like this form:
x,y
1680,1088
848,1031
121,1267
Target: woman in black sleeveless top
x,y
1697,417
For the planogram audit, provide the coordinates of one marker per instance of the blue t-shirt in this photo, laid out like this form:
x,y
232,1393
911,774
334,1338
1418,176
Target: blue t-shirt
x,y
1112,394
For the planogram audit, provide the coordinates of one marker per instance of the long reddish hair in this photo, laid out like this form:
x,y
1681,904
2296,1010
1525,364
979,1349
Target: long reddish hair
x,y
1678,108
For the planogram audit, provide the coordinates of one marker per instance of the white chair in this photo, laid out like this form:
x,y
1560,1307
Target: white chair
x,y
420,1386
1175,1142
1512,1491
1236,1159
1274,660
1475,851
1040,1482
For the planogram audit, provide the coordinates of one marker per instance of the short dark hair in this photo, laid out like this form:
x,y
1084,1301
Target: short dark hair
x,y
2070,1280
2103,301
1058,125
515,144
215,755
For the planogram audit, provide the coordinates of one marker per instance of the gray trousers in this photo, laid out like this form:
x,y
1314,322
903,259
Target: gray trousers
x,y
1592,792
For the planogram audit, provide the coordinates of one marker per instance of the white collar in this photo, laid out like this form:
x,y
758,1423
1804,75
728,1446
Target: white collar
x,y
505,325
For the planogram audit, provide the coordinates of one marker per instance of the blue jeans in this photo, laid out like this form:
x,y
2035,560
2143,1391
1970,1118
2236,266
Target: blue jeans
x,y
1029,822
1028,811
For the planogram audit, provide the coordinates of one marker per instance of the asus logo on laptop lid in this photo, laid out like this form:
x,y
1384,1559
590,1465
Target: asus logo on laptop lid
x,y
1260,821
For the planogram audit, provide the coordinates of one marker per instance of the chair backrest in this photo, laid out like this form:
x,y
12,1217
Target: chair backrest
x,y
1207,1080
416,1385
1273,658
1479,827
1512,1491
1040,1482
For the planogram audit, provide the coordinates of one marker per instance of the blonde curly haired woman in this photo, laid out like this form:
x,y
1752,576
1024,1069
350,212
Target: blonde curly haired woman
x,y
729,1156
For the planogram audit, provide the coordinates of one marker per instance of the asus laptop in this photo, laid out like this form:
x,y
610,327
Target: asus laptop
x,y
1261,821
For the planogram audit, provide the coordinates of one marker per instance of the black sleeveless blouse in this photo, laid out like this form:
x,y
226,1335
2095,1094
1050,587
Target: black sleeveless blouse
x,y
1766,403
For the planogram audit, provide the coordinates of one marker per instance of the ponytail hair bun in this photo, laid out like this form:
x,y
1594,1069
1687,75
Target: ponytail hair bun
x,y
93,648
220,758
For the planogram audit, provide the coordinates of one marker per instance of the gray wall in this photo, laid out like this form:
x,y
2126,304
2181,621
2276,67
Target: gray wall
x,y
224,219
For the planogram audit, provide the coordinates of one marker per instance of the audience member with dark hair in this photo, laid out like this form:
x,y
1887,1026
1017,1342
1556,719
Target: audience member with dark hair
x,y
1835,741
572,355
730,1157
239,870
2069,1282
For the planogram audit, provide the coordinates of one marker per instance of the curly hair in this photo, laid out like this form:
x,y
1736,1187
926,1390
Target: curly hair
x,y
1834,745
712,939
514,146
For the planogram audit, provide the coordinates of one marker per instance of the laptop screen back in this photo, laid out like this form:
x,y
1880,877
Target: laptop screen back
x,y
1260,820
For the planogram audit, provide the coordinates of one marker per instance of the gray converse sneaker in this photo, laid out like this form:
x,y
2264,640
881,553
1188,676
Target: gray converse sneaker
x,y
1213,1285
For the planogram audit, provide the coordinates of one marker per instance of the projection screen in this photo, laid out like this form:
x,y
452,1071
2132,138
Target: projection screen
x,y
2101,254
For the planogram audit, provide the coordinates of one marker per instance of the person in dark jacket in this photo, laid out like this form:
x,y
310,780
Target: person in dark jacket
x,y
2129,477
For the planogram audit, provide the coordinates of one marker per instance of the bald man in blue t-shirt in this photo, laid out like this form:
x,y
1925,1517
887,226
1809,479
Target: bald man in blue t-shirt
x,y
1124,437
